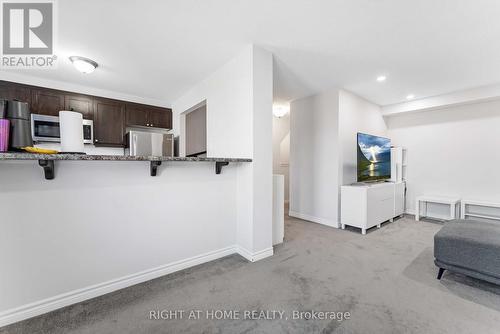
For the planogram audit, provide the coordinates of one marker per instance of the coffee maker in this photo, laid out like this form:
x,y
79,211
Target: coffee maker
x,y
18,113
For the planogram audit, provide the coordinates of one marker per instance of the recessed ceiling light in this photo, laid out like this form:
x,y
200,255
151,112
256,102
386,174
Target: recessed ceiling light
x,y
410,97
83,64
381,78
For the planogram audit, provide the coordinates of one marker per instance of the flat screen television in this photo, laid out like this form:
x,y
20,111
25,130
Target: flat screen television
x,y
374,158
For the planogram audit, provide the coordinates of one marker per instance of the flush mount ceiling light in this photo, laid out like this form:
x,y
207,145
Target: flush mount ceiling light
x,y
280,111
381,78
83,64
410,97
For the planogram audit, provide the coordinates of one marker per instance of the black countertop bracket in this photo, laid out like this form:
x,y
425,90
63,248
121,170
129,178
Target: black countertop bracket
x,y
154,167
48,168
219,165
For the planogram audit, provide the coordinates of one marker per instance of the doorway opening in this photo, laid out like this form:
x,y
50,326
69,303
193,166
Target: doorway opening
x,y
281,154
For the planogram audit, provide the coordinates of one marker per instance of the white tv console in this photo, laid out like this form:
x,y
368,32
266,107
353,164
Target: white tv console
x,y
368,205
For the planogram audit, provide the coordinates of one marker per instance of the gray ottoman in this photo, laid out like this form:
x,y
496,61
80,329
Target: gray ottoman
x,y
469,247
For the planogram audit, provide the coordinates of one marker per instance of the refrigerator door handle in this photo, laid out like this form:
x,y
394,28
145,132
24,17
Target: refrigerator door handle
x,y
134,140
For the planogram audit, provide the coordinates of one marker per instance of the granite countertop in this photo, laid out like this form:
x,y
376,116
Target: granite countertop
x,y
31,156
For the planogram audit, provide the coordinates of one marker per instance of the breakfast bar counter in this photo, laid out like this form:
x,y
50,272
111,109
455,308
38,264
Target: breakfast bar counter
x,y
98,157
46,161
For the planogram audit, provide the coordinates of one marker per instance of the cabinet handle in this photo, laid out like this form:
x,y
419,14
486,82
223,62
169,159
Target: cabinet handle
x,y
96,140
147,124
151,124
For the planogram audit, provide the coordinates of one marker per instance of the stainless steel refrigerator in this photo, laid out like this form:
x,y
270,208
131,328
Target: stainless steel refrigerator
x,y
149,143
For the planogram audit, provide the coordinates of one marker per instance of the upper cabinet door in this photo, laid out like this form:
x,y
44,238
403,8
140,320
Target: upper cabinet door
x,y
109,120
47,102
136,114
11,91
160,118
81,104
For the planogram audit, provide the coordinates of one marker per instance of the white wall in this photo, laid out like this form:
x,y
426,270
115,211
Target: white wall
x,y
228,95
88,148
239,124
314,158
356,115
101,223
323,131
281,148
262,75
451,152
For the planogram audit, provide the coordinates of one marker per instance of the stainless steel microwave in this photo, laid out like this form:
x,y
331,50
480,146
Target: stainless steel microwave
x,y
46,129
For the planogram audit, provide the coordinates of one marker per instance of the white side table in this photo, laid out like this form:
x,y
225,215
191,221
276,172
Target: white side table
x,y
453,202
492,213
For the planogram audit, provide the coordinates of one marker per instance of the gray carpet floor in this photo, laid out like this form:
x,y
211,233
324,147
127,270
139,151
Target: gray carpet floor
x,y
386,280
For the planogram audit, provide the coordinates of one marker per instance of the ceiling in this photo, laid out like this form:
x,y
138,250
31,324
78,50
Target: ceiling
x,y
158,49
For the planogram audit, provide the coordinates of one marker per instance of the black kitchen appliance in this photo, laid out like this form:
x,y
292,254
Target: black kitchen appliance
x,y
18,113
3,108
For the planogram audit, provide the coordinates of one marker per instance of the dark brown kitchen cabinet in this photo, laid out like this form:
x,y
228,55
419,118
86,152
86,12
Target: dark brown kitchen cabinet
x,y
47,102
143,115
136,114
10,91
109,121
81,104
160,118
111,117
4,90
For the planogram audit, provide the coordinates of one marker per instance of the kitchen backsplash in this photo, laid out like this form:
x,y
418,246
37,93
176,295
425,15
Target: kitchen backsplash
x,y
89,149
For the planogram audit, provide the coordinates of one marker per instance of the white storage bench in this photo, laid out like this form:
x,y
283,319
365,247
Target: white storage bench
x,y
453,202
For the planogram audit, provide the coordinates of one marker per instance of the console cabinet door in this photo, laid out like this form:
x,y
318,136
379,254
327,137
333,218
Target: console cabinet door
x,y
399,199
160,118
136,115
47,102
81,104
109,120
380,204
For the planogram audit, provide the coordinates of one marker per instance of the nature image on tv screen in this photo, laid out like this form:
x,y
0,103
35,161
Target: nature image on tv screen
x,y
374,158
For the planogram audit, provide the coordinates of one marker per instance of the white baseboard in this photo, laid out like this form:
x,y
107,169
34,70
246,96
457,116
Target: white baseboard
x,y
252,257
76,296
314,219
